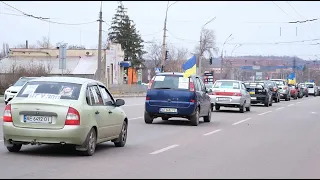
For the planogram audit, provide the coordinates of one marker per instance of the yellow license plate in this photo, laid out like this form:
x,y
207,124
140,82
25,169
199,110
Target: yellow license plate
x,y
252,92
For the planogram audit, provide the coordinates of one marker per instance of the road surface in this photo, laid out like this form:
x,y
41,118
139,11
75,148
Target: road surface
x,y
281,141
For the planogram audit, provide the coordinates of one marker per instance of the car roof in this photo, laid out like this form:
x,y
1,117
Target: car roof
x,y
172,73
77,80
277,80
229,80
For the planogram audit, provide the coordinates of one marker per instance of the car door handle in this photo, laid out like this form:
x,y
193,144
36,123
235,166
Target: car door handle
x,y
97,112
110,112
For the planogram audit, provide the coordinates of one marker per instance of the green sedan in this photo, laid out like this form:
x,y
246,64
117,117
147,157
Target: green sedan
x,y
64,110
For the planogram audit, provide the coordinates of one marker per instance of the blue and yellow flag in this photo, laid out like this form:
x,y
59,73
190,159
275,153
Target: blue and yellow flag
x,y
292,78
190,67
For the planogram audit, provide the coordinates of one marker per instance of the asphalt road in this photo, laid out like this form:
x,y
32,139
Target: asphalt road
x,y
281,141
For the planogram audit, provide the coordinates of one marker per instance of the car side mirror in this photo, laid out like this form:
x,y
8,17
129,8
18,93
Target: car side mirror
x,y
208,90
119,102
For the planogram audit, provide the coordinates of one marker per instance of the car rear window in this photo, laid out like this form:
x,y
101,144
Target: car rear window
x,y
280,83
254,84
309,85
22,81
170,82
226,84
50,90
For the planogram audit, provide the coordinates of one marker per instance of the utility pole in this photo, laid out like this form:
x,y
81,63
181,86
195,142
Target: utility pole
x,y
221,64
99,68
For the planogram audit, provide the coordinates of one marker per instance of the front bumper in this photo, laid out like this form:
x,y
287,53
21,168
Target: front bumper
x,y
68,134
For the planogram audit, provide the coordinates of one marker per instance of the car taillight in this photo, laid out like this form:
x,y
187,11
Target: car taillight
x,y
191,85
147,98
212,93
150,84
7,116
274,89
73,117
237,94
192,100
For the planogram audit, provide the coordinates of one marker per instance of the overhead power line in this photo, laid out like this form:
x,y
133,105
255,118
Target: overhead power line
x,y
42,18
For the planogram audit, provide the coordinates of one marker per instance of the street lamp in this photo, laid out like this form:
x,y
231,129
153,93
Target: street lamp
x,y
222,54
164,36
236,47
200,47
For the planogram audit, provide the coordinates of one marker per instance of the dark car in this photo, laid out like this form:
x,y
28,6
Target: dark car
x,y
305,89
260,93
293,91
273,87
300,90
171,95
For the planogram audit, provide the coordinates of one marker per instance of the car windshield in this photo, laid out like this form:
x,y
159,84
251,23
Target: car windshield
x,y
280,83
50,90
170,82
22,81
209,86
226,84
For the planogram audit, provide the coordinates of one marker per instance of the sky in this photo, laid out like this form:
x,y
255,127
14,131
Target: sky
x,y
254,25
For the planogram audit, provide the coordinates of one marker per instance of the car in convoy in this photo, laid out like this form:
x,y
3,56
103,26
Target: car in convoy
x,y
231,94
10,93
293,91
209,88
312,88
273,87
283,89
64,110
304,89
260,93
300,90
172,95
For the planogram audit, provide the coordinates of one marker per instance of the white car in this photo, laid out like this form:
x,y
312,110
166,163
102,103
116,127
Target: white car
x,y
312,88
12,91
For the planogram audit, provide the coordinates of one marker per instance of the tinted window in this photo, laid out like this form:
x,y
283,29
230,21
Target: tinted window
x,y
22,81
170,82
198,85
50,90
106,96
309,85
202,86
97,97
226,84
254,84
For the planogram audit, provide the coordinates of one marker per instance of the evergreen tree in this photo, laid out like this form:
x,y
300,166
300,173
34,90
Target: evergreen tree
x,y
124,32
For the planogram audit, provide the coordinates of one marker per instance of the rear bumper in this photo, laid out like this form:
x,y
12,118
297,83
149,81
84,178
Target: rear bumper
x,y
154,110
234,100
255,99
69,134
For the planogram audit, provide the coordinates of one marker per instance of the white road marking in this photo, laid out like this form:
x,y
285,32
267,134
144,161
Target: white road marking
x,y
136,118
299,102
264,113
133,105
290,104
164,149
212,132
313,112
1,140
279,108
241,121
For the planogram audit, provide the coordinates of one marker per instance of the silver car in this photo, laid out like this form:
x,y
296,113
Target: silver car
x,y
230,93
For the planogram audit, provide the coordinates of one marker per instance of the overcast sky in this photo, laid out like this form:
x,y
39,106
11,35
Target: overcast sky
x,y
255,25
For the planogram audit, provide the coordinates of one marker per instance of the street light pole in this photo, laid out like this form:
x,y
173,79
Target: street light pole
x,y
221,63
163,56
200,47
99,72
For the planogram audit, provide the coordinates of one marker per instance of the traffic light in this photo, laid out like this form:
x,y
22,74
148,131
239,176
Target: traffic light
x,y
210,61
166,57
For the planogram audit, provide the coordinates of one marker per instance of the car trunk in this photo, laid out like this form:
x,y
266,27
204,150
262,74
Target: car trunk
x,y
170,98
225,91
256,90
40,114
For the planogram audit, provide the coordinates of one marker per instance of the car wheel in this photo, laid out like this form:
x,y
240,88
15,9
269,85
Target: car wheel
x,y
194,119
208,117
165,118
266,104
91,143
212,107
147,118
217,107
14,147
270,103
122,139
248,108
241,109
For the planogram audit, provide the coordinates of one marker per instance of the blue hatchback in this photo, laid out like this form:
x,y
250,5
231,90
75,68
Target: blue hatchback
x,y
171,95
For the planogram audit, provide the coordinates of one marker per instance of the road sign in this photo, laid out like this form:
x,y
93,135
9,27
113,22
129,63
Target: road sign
x,y
157,70
62,56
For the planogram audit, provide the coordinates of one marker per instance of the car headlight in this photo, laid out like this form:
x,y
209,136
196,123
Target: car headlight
x,y
7,91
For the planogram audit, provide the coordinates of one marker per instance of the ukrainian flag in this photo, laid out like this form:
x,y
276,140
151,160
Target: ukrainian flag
x,y
292,78
190,67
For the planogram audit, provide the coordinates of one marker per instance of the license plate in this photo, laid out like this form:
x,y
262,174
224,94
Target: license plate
x,y
223,99
252,93
168,110
254,98
38,119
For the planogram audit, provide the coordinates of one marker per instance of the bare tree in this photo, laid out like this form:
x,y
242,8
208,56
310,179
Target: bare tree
x,y
208,43
30,46
76,47
44,43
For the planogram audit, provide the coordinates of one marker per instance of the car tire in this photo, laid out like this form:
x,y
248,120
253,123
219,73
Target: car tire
x,y
194,119
270,103
217,107
241,109
248,108
266,104
90,143
165,118
147,118
212,107
14,148
207,118
122,139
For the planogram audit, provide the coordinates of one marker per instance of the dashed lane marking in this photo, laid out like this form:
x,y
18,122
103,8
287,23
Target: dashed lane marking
x,y
241,121
164,149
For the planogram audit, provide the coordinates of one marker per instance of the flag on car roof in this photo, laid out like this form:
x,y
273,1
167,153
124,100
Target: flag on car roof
x,y
292,78
190,67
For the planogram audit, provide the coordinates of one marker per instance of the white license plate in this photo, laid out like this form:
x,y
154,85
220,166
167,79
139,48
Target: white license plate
x,y
254,98
168,110
38,119
223,99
